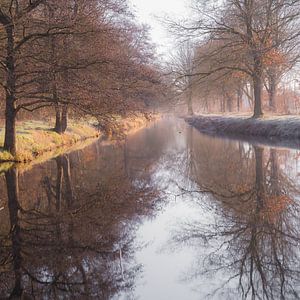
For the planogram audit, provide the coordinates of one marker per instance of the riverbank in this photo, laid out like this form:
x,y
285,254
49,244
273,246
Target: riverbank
x,y
37,141
118,127
34,138
278,127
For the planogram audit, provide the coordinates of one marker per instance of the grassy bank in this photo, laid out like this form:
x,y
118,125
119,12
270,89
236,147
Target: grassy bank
x,y
35,138
37,141
279,127
25,166
121,126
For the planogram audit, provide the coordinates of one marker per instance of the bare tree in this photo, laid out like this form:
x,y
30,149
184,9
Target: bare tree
x,y
240,36
182,65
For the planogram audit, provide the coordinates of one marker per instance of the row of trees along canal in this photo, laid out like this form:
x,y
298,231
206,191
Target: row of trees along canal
x,y
237,50
85,56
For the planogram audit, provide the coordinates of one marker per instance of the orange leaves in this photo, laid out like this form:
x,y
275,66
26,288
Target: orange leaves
x,y
239,75
242,188
274,206
274,58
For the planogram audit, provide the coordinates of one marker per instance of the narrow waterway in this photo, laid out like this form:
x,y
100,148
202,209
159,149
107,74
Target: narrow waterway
x,y
168,214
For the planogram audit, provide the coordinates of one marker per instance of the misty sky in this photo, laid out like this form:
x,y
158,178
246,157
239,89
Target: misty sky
x,y
148,10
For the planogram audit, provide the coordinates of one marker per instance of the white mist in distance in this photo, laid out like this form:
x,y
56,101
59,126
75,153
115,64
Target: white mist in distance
x,y
149,12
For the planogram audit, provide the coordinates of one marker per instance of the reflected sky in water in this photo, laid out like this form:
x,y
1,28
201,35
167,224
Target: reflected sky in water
x,y
168,214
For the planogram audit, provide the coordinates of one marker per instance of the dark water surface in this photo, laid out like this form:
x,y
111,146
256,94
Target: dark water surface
x,y
170,214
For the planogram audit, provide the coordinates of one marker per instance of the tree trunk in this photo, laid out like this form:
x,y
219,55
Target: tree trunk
x,y
10,109
58,125
257,88
272,94
64,119
10,128
61,119
257,84
60,113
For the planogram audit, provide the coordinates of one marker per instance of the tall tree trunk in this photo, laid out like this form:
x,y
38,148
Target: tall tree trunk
x,y
257,85
272,93
10,127
257,88
58,113
64,119
61,118
10,103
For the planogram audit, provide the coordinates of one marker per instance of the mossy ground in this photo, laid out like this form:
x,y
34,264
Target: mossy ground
x,y
37,137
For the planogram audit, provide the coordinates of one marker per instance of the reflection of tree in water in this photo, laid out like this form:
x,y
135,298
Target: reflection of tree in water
x,y
254,241
139,161
71,242
54,191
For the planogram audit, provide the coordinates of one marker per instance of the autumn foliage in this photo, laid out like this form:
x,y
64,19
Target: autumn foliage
x,y
81,57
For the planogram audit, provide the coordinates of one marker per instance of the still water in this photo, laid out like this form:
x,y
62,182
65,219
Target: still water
x,y
168,214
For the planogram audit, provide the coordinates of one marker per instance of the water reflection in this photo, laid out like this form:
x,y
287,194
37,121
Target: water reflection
x,y
68,226
169,214
251,248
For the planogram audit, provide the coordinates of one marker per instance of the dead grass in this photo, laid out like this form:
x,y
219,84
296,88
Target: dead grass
x,y
37,142
34,138
123,126
23,167
136,122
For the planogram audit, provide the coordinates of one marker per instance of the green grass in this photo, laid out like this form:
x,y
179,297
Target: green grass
x,y
36,137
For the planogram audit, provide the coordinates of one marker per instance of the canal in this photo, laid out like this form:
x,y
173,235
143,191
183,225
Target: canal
x,y
169,213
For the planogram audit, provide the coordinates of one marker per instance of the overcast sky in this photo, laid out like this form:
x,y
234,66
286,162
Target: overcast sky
x,y
147,12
